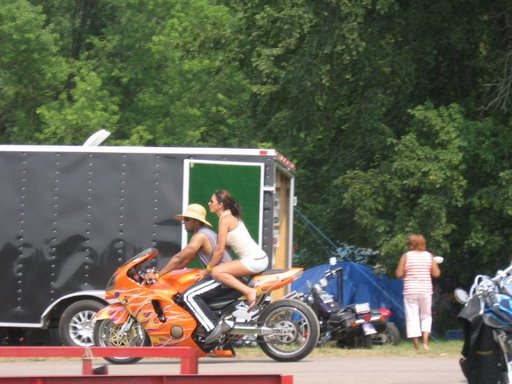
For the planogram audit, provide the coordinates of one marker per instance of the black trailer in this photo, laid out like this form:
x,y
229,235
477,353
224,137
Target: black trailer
x,y
70,215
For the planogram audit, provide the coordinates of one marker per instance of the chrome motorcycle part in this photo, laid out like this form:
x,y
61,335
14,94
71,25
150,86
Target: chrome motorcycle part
x,y
295,330
129,334
461,295
390,336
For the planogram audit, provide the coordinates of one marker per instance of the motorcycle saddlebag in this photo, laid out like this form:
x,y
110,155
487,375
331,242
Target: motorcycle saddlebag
x,y
482,362
344,318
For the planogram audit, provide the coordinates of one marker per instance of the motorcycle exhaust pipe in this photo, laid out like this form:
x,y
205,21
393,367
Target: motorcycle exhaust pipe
x,y
240,329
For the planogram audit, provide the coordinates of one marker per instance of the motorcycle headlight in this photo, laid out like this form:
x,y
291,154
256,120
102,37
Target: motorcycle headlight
x,y
506,285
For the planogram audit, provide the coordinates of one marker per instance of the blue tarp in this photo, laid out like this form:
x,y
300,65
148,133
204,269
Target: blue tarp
x,y
357,283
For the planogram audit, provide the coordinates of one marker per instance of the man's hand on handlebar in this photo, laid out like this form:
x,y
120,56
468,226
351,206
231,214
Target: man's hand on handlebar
x,y
151,277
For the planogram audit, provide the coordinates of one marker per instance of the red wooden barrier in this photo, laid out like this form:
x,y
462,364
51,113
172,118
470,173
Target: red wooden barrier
x,y
187,355
189,367
148,379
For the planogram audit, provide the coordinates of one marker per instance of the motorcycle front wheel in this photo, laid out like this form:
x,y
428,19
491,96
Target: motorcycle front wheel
x,y
130,334
295,330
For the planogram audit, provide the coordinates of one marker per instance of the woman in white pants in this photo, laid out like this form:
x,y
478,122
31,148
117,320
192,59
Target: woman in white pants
x,y
417,267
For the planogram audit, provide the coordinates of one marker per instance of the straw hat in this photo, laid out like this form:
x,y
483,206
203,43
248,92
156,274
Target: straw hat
x,y
194,211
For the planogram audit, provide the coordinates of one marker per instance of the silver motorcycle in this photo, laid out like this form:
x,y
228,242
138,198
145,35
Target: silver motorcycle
x,y
486,319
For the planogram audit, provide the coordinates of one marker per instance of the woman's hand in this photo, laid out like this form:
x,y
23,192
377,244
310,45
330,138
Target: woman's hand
x,y
204,274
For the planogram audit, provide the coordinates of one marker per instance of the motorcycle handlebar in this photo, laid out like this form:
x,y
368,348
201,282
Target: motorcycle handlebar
x,y
500,275
332,272
485,287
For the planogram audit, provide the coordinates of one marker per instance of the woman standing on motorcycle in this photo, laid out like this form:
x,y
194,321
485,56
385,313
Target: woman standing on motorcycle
x,y
417,267
232,233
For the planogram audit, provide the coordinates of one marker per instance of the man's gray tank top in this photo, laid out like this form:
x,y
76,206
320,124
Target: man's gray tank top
x,y
212,238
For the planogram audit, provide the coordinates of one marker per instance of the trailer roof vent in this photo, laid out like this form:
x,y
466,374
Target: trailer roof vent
x,y
96,138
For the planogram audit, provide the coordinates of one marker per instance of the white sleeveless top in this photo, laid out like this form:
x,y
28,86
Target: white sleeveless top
x,y
417,278
241,242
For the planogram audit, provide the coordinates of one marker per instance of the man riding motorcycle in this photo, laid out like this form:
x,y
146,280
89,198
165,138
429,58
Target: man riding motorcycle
x,y
202,244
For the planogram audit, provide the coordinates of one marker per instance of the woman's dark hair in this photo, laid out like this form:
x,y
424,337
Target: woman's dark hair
x,y
228,202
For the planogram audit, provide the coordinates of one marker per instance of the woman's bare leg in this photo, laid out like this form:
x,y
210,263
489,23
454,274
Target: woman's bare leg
x,y
425,340
228,274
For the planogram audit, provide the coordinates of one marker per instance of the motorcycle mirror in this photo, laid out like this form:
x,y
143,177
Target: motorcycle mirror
x,y
332,261
461,295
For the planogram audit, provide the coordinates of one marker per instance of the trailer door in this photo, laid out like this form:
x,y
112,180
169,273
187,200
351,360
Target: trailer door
x,y
244,180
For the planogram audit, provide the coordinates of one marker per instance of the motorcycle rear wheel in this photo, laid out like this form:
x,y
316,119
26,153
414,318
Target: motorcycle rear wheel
x,y
390,336
108,334
296,330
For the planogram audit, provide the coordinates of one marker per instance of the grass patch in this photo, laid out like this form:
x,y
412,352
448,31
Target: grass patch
x,y
438,349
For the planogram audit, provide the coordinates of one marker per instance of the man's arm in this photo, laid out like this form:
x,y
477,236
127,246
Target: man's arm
x,y
185,256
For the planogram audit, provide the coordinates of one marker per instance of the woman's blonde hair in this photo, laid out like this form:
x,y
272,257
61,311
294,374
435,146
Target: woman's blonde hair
x,y
417,242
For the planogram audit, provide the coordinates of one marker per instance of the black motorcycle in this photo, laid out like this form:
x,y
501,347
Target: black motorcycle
x,y
352,326
486,320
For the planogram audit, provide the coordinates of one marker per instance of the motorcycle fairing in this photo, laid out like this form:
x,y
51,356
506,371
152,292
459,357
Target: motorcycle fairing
x,y
141,306
115,312
139,302
179,280
500,314
272,280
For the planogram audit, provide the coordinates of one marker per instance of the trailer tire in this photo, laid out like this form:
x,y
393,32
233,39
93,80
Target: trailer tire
x,y
76,324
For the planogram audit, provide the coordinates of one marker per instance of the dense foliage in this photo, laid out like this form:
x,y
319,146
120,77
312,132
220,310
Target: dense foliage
x,y
397,112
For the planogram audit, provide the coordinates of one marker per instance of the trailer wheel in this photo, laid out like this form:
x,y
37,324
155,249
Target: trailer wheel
x,y
76,324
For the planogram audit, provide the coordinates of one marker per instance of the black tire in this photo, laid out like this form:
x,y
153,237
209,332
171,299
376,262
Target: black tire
x,y
76,323
355,342
366,342
299,330
106,334
390,336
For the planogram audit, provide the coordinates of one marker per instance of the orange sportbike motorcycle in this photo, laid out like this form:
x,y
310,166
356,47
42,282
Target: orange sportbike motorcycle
x,y
154,314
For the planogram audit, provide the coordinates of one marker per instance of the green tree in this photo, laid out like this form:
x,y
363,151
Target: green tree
x,y
347,89
448,178
153,72
170,64
31,71
79,112
325,83
397,113
417,189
